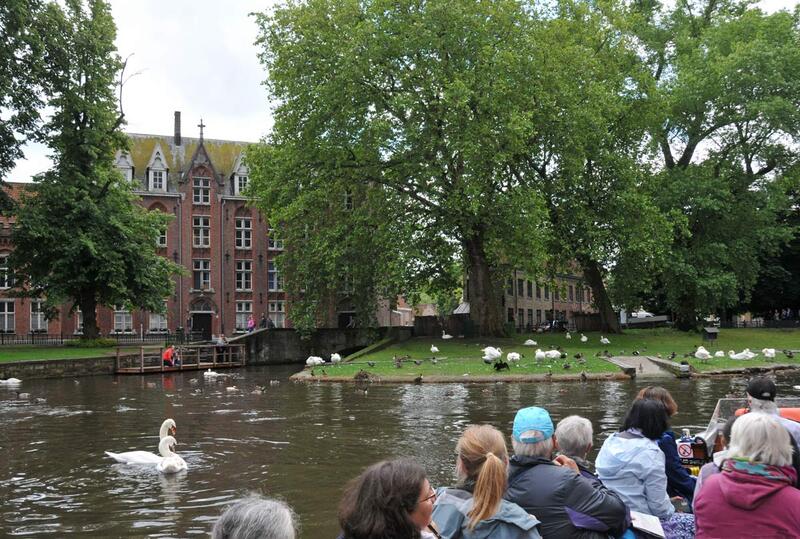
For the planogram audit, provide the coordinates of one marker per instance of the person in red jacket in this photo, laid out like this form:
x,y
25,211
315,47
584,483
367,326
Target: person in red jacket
x,y
754,493
168,356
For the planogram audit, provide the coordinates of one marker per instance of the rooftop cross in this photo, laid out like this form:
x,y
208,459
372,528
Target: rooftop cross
x,y
201,125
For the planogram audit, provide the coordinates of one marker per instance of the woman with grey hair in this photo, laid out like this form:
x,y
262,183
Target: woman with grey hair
x,y
574,435
256,517
753,494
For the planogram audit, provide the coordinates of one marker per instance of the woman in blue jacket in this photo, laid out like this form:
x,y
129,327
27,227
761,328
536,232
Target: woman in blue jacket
x,y
679,481
475,508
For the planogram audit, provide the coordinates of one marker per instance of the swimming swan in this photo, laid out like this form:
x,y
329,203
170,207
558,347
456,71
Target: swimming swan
x,y
170,462
168,427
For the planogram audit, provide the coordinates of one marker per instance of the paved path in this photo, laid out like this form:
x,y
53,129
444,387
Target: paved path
x,y
644,367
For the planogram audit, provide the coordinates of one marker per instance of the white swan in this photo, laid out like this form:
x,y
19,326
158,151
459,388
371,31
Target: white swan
x,y
211,374
719,353
492,353
445,336
552,354
568,336
168,428
434,349
336,358
540,356
513,357
529,342
584,338
702,354
603,340
10,382
314,361
769,353
169,461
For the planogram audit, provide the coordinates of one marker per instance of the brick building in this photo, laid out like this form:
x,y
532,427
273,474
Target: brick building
x,y
223,244
529,304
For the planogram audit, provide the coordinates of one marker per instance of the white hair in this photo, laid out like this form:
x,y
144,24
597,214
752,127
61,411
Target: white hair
x,y
256,517
542,449
763,405
574,435
760,438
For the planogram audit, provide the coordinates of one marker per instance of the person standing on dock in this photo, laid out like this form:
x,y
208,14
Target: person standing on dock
x,y
168,356
251,324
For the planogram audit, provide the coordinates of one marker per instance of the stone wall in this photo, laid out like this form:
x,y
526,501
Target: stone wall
x,y
276,346
57,368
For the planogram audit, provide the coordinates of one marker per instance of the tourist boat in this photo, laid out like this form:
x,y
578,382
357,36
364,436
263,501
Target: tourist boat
x,y
699,449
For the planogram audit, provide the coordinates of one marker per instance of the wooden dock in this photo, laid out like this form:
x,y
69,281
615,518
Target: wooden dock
x,y
192,357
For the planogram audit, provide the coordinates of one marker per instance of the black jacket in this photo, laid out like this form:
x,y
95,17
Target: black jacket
x,y
567,504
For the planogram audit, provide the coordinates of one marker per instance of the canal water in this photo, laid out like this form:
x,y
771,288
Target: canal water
x,y
294,441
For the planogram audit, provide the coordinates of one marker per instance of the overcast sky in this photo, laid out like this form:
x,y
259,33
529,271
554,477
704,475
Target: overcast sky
x,y
199,57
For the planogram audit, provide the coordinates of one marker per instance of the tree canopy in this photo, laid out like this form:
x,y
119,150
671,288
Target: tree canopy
x,y
79,234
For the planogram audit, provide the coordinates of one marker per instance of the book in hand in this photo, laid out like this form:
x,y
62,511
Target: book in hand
x,y
648,524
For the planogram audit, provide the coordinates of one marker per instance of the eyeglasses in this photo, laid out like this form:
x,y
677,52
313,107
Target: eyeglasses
x,y
431,495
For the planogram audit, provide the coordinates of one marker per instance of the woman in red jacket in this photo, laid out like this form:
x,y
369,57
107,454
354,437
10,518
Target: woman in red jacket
x,y
754,494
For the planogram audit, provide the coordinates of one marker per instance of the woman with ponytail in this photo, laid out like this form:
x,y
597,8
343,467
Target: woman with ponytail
x,y
475,508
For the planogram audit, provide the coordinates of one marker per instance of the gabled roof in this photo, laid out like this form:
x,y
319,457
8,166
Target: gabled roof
x,y
223,154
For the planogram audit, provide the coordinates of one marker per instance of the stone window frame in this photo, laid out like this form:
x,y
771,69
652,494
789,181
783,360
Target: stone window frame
x,y
201,191
7,316
244,275
244,309
243,234
201,266
201,231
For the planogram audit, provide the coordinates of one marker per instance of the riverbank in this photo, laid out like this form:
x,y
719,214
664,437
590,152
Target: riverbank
x,y
9,354
307,377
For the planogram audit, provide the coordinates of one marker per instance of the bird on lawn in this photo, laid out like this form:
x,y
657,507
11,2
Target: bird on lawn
x,y
434,350
584,338
603,340
417,362
371,363
529,342
445,336
568,336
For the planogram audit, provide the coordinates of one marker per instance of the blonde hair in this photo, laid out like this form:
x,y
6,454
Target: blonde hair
x,y
484,458
658,393
760,438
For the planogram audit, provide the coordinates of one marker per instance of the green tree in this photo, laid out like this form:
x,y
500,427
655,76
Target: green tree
x,y
727,84
22,55
80,236
586,158
425,109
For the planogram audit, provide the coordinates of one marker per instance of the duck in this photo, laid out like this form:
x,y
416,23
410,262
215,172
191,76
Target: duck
x,y
445,336
371,363
170,462
168,428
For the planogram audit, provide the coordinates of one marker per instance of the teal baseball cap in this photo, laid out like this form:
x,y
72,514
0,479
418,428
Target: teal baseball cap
x,y
532,418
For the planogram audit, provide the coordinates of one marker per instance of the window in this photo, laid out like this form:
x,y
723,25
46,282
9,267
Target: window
x,y
274,279
556,293
157,180
244,275
38,320
243,311
158,321
162,238
348,200
6,280
244,232
538,316
510,315
201,231
520,287
538,292
202,191
241,183
277,313
123,321
201,274
530,317
579,293
273,243
530,289
7,316
546,292
520,317
510,287
78,316
571,294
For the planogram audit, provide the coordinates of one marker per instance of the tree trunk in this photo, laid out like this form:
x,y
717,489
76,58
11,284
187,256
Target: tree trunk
x,y
484,297
685,316
89,310
609,323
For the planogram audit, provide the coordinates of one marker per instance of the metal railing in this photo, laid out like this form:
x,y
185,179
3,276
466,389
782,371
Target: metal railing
x,y
57,339
759,323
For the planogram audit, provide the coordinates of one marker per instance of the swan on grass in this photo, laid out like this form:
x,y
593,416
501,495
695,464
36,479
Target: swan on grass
x,y
169,461
445,336
603,340
434,349
584,338
702,354
336,358
529,342
540,356
168,428
492,353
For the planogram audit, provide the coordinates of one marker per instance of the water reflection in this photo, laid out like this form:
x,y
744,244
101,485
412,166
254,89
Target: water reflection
x,y
298,442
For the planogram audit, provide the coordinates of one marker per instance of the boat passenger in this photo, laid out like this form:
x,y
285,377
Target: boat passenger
x,y
754,491
679,481
553,490
714,467
255,516
631,464
475,508
574,434
761,393
391,499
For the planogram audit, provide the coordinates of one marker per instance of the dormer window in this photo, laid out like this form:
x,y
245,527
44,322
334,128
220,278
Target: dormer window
x,y
241,183
157,171
125,165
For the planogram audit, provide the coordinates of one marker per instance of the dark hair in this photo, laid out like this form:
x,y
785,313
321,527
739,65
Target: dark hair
x,y
649,416
379,502
660,394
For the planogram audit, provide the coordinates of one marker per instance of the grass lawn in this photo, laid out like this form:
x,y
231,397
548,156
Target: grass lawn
x,y
459,356
44,353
